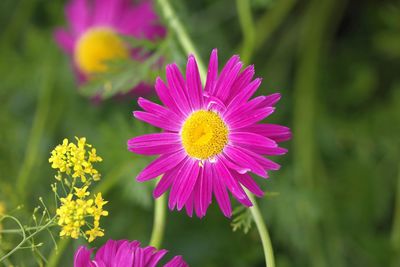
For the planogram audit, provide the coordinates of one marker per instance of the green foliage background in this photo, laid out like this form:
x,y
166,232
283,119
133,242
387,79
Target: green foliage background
x,y
336,63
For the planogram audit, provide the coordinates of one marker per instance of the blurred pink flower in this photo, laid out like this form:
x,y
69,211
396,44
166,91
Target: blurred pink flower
x,y
212,138
94,33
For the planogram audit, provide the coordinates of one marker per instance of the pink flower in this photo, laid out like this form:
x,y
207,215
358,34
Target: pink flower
x,y
95,29
123,253
212,138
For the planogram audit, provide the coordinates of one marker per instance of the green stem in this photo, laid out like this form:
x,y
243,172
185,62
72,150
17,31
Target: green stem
x,y
183,38
38,127
17,231
246,23
62,244
26,238
262,231
272,19
159,222
395,235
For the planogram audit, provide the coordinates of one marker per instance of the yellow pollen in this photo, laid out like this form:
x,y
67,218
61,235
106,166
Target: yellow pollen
x,y
204,134
97,46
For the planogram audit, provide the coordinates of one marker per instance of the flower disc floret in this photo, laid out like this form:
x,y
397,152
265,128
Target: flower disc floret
x,y
96,47
204,134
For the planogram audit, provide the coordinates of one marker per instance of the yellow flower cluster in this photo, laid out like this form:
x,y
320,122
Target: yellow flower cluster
x,y
75,210
80,211
73,159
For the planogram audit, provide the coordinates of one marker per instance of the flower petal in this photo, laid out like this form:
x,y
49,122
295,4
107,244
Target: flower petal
x,y
241,82
239,157
252,139
158,121
276,132
194,83
64,40
212,72
165,97
248,182
159,166
221,195
155,144
177,88
226,177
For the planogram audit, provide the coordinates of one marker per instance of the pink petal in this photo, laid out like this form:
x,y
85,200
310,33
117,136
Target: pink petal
x,y
64,40
160,111
194,83
244,95
221,195
158,121
243,159
154,144
165,97
78,15
161,165
276,132
252,139
228,76
226,177
212,72
242,81
177,88
248,182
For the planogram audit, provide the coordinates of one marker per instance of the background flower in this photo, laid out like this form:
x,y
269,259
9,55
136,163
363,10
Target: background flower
x,y
94,35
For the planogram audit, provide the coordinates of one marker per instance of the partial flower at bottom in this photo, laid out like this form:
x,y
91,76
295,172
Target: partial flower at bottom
x,y
123,253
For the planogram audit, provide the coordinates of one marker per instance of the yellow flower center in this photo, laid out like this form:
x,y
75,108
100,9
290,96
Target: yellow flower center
x,y
97,46
204,134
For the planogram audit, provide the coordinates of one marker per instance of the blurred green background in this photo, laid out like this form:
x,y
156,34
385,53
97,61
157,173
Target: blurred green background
x,y
336,64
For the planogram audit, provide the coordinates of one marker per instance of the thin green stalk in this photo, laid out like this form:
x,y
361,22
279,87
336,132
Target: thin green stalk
x,y
246,23
395,235
272,19
183,38
62,244
315,30
26,229
38,127
159,222
263,232
24,237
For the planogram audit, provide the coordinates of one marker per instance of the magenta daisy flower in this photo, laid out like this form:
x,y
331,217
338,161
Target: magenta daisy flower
x,y
123,253
212,138
96,26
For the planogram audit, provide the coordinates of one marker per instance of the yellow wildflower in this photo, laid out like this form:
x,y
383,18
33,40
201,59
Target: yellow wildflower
x,y
2,208
74,213
72,159
2,212
81,192
93,233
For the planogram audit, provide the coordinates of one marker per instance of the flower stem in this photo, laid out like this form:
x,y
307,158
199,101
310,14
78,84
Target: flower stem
x,y
263,232
24,237
395,235
159,222
183,38
246,22
38,128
